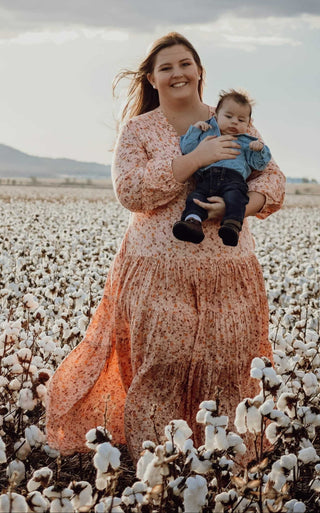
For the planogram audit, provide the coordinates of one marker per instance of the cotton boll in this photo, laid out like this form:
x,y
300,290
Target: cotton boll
x,y
96,436
299,507
30,302
82,499
236,444
240,419
156,469
34,436
205,407
37,503
277,477
220,439
179,431
286,403
16,471
134,495
266,407
109,505
41,391
221,421
254,420
22,449
128,497
270,377
288,461
103,480
52,453
3,457
176,485
272,432
26,400
209,405
24,355
13,502
315,485
226,464
308,455
294,506
146,458
195,494
257,363
61,506
106,456
310,383
14,384
139,487
256,373
40,478
55,492
3,381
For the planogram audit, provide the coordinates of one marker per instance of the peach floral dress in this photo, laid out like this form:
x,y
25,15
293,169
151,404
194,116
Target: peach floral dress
x,y
176,320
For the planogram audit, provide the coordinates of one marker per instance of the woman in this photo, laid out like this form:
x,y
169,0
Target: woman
x,y
175,322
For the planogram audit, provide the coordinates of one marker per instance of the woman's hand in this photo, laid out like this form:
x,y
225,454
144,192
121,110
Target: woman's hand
x,y
216,208
213,148
210,150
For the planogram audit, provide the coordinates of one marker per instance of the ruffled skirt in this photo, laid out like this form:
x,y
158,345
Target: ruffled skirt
x,y
166,335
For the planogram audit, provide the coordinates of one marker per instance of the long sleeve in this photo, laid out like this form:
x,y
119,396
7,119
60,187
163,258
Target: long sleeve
x,y
270,183
142,169
258,159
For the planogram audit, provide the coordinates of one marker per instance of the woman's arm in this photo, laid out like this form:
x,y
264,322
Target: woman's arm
x,y
216,207
210,150
142,183
270,183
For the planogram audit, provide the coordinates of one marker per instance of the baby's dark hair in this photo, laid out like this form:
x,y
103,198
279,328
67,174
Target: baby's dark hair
x,y
241,97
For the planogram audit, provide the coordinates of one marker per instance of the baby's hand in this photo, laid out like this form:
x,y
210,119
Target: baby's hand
x,y
256,145
203,125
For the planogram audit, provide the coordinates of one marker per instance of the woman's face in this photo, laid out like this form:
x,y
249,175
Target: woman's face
x,y
176,74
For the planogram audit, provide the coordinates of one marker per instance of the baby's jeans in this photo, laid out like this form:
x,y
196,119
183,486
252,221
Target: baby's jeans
x,y
219,181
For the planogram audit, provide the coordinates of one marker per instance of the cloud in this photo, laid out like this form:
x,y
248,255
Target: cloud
x,y
20,16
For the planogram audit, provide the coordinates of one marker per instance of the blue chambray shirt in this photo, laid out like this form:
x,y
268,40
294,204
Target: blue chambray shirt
x,y
243,163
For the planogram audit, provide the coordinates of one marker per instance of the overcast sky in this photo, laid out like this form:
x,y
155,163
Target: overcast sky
x,y
58,59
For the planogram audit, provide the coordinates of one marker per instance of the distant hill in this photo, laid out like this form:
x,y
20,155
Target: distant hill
x,y
16,164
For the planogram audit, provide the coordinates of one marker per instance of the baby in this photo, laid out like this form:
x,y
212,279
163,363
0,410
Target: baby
x,y
225,178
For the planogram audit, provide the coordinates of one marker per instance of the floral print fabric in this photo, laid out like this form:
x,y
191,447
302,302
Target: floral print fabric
x,y
177,323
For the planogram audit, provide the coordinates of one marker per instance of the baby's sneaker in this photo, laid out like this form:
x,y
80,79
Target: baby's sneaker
x,y
190,231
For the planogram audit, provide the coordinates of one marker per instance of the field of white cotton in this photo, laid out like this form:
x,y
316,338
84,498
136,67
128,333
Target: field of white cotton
x,y
56,246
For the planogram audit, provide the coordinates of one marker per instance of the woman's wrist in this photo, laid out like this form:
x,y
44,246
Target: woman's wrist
x,y
255,204
184,166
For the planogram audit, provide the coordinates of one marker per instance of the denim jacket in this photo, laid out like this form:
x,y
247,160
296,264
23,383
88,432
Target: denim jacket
x,y
243,163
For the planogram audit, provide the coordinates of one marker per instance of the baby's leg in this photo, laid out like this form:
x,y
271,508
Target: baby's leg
x,y
201,192
235,197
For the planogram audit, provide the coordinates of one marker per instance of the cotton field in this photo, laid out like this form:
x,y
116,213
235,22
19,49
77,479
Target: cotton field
x,y
56,247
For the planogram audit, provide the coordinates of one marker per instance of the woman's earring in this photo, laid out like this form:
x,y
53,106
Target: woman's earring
x,y
199,78
154,87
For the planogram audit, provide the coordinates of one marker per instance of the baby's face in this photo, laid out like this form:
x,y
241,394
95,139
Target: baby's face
x,y
233,118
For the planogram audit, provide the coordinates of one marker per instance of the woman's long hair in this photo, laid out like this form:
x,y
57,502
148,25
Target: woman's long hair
x,y
142,97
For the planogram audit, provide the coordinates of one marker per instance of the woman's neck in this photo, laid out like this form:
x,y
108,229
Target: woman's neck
x,y
182,115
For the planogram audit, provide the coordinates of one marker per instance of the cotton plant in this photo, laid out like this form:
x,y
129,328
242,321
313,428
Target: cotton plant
x,y
82,499
13,502
106,459
60,499
53,274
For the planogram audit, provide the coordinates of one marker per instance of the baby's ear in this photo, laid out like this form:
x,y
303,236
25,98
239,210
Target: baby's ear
x,y
250,122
